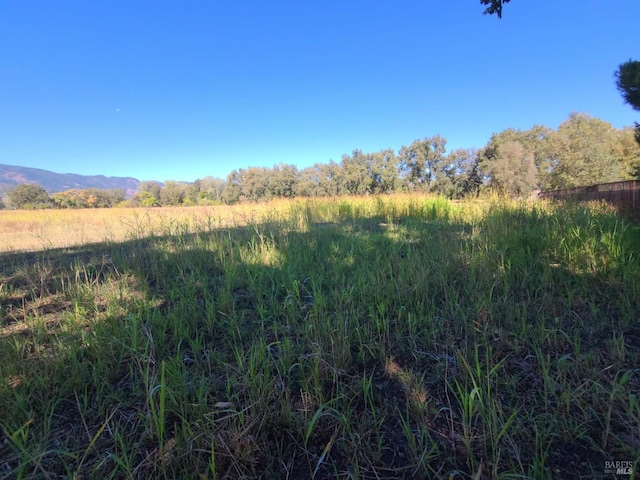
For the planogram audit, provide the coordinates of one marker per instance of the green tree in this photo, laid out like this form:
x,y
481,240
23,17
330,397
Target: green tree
x,y
172,193
254,184
28,196
146,199
355,173
627,150
99,198
583,153
628,83
207,191
66,199
535,141
422,162
192,192
383,170
148,195
116,196
512,169
321,180
463,173
308,182
231,192
369,173
283,180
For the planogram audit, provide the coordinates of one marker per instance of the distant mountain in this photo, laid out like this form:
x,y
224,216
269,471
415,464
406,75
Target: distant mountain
x,y
12,175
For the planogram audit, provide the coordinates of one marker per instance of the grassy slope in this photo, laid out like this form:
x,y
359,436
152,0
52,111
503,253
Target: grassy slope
x,y
396,337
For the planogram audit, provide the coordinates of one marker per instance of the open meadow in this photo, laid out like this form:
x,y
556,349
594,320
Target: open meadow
x,y
357,338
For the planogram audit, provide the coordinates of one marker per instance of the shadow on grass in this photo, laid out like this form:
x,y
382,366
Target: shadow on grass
x,y
349,349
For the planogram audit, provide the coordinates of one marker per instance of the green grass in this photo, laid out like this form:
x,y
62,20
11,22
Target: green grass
x,y
389,337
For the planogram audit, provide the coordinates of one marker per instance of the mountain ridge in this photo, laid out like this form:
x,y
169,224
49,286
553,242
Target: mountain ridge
x,y
52,182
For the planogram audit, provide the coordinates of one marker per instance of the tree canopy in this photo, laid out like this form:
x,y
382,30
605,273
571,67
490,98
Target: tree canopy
x,y
27,195
583,153
512,169
628,83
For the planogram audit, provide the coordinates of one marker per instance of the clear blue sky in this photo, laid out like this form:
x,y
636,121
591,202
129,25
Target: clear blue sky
x,y
179,90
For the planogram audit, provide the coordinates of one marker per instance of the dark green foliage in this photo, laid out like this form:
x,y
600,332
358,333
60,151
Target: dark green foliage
x,y
321,180
173,193
27,195
231,192
88,198
583,153
628,82
283,180
535,142
369,172
494,6
423,162
512,169
464,173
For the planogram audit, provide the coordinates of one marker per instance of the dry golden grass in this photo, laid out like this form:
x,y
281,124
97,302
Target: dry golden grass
x,y
35,230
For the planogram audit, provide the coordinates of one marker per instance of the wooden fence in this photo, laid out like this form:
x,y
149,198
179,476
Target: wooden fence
x,y
625,195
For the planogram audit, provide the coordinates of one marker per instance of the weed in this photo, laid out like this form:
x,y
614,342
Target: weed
x,y
400,336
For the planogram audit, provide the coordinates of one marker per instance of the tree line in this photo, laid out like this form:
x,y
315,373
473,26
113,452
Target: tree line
x,y
33,196
583,150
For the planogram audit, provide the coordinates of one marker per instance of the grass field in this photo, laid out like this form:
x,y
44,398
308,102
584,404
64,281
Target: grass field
x,y
354,338
29,230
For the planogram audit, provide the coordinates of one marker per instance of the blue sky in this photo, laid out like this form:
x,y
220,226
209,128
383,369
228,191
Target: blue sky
x,y
168,90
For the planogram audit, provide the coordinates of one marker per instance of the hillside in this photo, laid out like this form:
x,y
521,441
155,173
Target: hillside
x,y
12,175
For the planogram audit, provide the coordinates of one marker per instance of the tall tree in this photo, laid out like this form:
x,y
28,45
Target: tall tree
x,y
231,192
148,194
422,162
355,168
463,173
583,153
192,192
628,83
309,182
321,180
211,190
254,184
172,193
535,141
627,151
28,195
370,172
282,180
383,171
512,169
